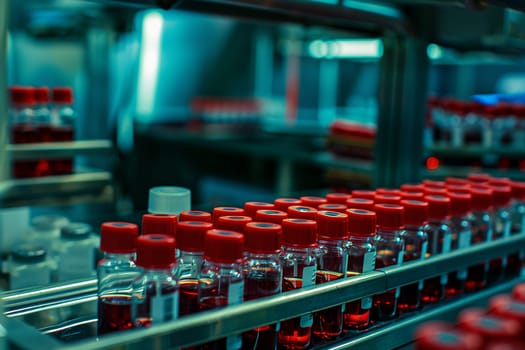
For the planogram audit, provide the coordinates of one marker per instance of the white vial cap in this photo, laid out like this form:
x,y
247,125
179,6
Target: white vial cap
x,y
169,200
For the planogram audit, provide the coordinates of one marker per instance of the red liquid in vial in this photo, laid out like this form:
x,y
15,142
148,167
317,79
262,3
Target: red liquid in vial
x,y
65,165
188,297
24,133
513,268
293,335
261,283
210,303
328,323
410,295
114,314
433,291
454,286
354,316
385,304
495,273
476,278
143,310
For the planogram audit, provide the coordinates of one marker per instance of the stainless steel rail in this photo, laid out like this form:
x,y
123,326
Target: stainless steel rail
x,y
59,149
218,323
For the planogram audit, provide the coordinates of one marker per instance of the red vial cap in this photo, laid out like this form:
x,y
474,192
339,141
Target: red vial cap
x,y
502,181
389,191
433,183
235,223
460,203
387,199
191,235
42,95
416,212
505,306
225,211
223,246
505,344
195,215
63,95
332,225
476,320
250,208
263,237
456,181
360,203
361,222
418,196
300,233
284,203
431,190
366,194
155,251
22,95
337,197
438,335
481,198
458,188
118,237
518,190
302,212
438,207
313,201
479,178
275,216
518,292
412,187
159,224
501,195
390,216
341,208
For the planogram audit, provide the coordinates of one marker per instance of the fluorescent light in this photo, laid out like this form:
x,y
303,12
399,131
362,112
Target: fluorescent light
x,y
346,48
434,52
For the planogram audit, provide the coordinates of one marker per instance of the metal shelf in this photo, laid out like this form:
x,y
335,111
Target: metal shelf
x,y
475,151
222,322
59,149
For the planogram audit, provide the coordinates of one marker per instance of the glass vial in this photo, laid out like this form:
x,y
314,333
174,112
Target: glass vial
x,y
63,130
155,292
501,197
332,264
42,117
361,259
416,246
76,257
262,277
221,282
115,274
390,250
439,242
190,242
28,266
299,267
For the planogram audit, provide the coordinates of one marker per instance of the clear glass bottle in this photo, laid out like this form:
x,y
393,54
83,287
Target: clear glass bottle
x,y
116,272
516,261
416,246
361,259
22,126
28,266
63,126
155,291
76,255
262,277
221,282
390,250
274,216
190,241
461,226
502,223
439,242
481,223
299,266
332,264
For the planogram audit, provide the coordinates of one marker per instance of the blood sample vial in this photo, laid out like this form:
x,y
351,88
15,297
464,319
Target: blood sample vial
x,y
221,282
416,244
195,215
481,222
439,242
516,261
366,194
299,266
332,264
63,126
313,201
235,223
302,212
250,208
155,292
390,251
115,274
460,224
337,197
275,216
501,198
387,199
190,242
341,208
361,259
262,277
360,203
226,211
284,203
